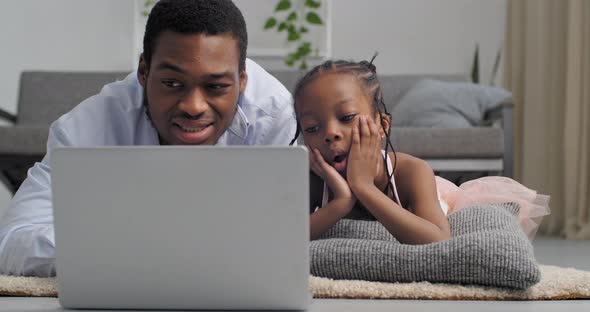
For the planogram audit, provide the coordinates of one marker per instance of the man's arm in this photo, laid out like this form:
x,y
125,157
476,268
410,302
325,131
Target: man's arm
x,y
27,243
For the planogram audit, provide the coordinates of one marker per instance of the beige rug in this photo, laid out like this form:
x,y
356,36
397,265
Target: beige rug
x,y
556,283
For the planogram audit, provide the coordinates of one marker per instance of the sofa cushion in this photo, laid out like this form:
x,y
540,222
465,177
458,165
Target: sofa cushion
x,y
487,248
394,87
23,140
433,103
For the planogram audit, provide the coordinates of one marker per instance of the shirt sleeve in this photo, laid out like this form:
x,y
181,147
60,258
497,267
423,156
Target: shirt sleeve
x,y
27,241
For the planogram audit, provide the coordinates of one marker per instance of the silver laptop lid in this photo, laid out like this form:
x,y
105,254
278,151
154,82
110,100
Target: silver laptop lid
x,y
182,227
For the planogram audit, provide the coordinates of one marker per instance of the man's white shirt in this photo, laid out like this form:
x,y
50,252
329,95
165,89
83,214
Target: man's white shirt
x,y
117,117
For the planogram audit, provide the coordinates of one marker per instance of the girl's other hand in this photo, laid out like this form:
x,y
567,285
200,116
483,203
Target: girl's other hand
x,y
365,162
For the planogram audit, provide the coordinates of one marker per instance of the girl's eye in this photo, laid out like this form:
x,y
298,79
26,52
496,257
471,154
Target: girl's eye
x,y
311,129
172,84
348,118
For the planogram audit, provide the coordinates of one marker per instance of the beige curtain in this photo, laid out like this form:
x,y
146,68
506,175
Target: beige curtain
x,y
547,67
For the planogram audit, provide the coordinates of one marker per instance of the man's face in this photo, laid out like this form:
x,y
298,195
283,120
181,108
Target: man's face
x,y
192,86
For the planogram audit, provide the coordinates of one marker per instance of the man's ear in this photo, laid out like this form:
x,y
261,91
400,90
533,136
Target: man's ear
x,y
243,80
142,71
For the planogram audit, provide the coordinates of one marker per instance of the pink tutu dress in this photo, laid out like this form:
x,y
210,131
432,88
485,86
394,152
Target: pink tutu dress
x,y
492,190
486,190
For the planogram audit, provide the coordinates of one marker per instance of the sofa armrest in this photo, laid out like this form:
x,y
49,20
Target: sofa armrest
x,y
502,116
7,116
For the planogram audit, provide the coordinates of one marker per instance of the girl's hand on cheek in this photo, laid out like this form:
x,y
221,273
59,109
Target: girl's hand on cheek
x,y
364,160
335,181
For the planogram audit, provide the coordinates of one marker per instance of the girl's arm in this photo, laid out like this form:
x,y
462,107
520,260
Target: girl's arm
x,y
427,223
324,218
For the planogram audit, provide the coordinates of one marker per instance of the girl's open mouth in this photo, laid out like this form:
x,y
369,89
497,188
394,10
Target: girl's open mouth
x,y
339,163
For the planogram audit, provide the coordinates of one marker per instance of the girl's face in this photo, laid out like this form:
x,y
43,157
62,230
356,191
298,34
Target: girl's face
x,y
328,108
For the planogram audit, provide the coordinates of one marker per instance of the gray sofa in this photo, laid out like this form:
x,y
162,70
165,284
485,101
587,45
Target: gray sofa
x,y
44,96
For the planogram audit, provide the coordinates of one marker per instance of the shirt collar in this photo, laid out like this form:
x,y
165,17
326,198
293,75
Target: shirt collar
x,y
240,123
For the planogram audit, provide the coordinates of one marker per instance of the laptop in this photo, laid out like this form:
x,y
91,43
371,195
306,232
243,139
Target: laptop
x,y
181,227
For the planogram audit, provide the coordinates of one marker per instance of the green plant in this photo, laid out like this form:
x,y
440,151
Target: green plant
x,y
475,66
295,23
147,6
475,75
496,66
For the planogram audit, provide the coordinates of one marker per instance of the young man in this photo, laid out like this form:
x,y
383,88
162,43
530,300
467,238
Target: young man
x,y
193,86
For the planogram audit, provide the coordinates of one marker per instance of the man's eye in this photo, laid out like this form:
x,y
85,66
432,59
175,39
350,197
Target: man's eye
x,y
348,118
172,84
217,86
311,129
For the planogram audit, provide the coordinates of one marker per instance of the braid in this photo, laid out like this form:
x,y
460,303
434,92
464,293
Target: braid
x,y
304,81
297,132
366,73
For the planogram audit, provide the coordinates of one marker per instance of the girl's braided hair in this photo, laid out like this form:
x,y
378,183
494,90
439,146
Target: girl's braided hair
x,y
366,74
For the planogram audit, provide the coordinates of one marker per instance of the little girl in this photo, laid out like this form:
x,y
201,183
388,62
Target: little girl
x,y
345,125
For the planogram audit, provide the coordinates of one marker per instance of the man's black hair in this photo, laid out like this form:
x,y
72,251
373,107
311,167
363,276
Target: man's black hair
x,y
211,17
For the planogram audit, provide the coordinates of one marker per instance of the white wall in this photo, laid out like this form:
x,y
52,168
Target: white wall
x,y
412,36
420,36
62,35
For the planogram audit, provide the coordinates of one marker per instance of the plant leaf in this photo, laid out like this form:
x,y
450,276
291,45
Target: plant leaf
x,y
270,23
294,56
282,26
303,65
496,66
292,16
313,18
303,30
304,49
293,36
312,4
283,5
475,66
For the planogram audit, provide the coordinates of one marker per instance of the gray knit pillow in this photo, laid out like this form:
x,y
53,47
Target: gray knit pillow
x,y
487,248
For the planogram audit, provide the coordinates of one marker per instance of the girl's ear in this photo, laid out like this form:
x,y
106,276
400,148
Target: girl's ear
x,y
385,123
